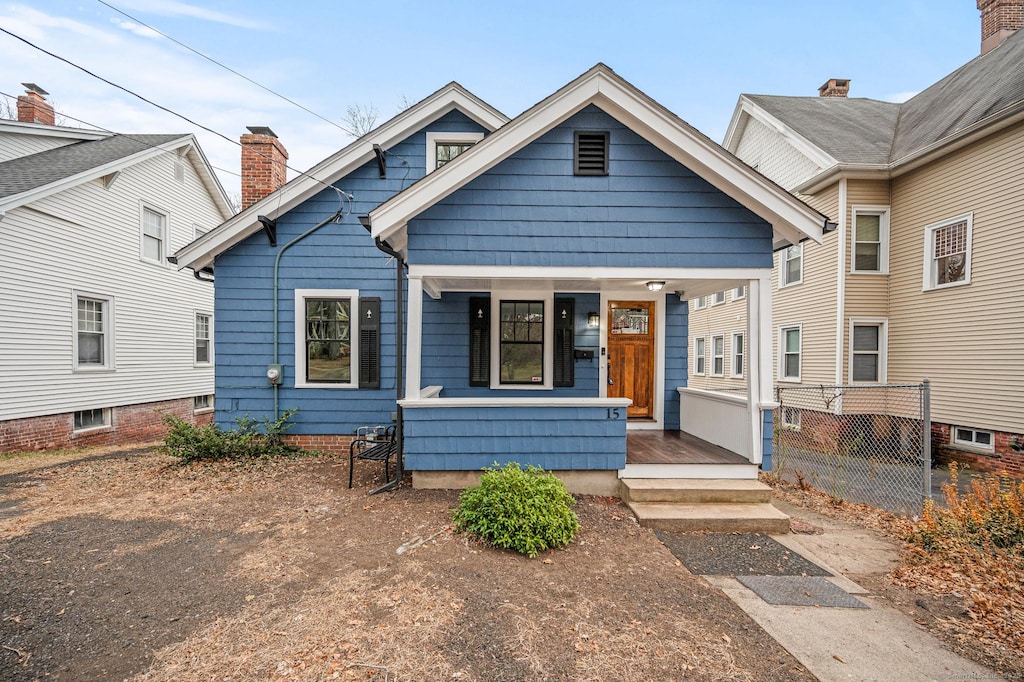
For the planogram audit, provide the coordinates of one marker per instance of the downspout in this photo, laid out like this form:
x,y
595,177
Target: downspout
x,y
399,357
277,263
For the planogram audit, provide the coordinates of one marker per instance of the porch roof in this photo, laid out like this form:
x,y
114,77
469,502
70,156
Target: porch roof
x,y
687,283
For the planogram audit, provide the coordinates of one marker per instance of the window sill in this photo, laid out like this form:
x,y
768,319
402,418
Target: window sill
x,y
86,369
790,284
973,449
940,287
790,380
91,430
870,272
520,387
204,410
333,387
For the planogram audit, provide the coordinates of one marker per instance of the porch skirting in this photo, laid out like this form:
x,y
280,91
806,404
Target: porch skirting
x,y
557,434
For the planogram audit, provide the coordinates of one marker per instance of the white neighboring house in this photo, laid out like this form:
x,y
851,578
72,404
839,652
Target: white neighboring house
x,y
97,329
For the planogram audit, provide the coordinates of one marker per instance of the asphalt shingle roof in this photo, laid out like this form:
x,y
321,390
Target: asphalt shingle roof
x,y
873,132
38,170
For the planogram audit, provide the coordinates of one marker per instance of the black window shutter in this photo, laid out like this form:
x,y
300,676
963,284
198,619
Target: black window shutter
x,y
479,341
369,342
565,342
591,153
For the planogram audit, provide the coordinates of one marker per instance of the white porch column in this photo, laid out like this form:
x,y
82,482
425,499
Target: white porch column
x,y
759,357
414,340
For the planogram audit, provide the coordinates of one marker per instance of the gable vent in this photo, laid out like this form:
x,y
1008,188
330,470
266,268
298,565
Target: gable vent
x,y
591,156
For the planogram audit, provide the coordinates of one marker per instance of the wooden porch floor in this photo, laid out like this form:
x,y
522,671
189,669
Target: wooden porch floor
x,y
675,447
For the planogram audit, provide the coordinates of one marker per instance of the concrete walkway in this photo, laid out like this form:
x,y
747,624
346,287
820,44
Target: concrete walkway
x,y
877,643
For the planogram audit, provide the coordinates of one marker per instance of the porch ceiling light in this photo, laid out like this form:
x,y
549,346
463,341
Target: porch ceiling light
x,y
593,320
655,286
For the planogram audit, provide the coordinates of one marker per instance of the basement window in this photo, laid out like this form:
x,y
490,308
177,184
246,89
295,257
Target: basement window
x,y
92,419
591,153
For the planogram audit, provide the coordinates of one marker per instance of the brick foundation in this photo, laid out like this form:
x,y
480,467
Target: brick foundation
x,y
128,424
331,444
1004,458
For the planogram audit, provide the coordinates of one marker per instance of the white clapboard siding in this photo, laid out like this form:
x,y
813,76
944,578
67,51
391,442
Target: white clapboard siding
x,y
87,239
16,145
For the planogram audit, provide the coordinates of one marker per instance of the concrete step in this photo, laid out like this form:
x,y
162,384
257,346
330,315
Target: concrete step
x,y
717,518
695,490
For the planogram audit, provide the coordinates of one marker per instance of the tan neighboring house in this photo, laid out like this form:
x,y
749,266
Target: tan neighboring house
x,y
922,278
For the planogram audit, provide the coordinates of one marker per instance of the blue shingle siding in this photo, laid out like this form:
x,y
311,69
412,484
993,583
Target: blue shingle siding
x,y
446,349
676,348
649,211
338,256
555,438
767,439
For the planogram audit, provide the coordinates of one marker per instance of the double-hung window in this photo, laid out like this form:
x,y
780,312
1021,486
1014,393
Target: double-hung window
x,y
700,303
737,352
203,338
154,235
867,351
947,253
791,269
717,356
739,292
93,340
521,342
870,239
718,298
443,147
789,352
699,355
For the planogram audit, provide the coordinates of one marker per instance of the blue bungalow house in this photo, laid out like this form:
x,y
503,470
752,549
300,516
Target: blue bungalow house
x,y
543,265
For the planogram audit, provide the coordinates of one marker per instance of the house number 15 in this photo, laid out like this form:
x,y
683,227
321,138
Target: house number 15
x,y
613,412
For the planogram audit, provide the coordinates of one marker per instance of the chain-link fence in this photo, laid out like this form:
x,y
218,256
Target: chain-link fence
x,y
863,443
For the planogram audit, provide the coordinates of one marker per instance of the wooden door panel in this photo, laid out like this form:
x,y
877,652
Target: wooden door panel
x,y
631,355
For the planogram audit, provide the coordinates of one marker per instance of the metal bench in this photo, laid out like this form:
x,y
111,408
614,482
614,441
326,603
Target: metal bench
x,y
373,443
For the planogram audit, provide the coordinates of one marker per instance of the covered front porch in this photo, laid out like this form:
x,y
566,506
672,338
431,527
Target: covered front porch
x,y
572,414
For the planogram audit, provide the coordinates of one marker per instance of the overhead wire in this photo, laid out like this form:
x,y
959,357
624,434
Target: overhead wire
x,y
228,68
165,109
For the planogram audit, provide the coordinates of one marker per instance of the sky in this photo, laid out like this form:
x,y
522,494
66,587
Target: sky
x,y
694,57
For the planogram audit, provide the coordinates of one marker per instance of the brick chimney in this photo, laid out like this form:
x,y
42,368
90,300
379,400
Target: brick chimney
x,y
33,107
999,19
835,87
263,164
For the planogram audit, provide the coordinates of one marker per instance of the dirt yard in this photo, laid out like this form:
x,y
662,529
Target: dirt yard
x,y
118,564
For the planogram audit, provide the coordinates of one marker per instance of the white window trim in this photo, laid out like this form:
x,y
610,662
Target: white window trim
x,y
548,298
434,139
791,424
715,296
195,338
166,239
203,410
883,236
198,231
108,422
109,363
732,355
930,276
782,354
883,347
973,445
715,356
300,336
743,292
700,356
700,303
783,283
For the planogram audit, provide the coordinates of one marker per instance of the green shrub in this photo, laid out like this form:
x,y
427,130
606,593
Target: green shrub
x,y
527,511
248,440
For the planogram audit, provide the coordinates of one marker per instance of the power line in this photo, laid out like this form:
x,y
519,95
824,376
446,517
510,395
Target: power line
x,y
228,68
161,107
93,126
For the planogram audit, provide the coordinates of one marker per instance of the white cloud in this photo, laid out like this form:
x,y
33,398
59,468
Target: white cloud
x,y
137,29
900,97
173,8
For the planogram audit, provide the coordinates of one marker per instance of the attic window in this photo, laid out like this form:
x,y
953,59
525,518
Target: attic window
x,y
591,153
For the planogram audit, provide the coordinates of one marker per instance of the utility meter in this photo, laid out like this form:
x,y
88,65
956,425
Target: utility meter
x,y
274,374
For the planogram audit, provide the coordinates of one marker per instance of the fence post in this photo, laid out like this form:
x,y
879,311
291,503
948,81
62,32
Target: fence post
x,y
926,437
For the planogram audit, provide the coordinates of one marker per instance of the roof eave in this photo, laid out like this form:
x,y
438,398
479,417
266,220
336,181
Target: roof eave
x,y
849,171
201,252
37,193
789,216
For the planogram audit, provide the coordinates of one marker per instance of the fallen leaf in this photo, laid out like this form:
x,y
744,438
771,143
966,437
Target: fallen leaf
x,y
838,659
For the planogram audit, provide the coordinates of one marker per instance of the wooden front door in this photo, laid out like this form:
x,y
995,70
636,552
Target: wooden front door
x,y
631,355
